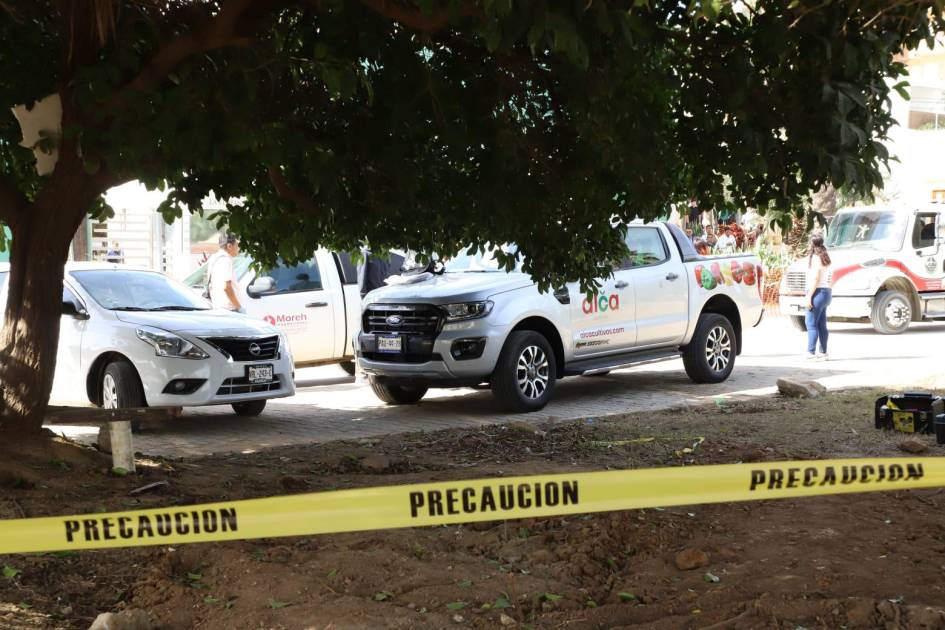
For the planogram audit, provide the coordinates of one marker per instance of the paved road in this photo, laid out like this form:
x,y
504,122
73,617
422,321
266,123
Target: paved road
x,y
330,406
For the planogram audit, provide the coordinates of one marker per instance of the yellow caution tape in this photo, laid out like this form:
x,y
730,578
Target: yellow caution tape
x,y
452,502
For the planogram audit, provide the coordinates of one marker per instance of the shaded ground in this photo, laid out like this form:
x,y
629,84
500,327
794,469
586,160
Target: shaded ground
x,y
857,561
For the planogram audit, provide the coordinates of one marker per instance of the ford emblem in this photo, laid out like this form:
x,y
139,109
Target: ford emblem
x,y
394,320
254,349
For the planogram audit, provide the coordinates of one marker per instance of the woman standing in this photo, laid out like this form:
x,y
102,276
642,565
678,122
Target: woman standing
x,y
818,297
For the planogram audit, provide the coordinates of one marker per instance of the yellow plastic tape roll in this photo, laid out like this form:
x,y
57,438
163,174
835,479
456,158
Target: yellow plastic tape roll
x,y
464,501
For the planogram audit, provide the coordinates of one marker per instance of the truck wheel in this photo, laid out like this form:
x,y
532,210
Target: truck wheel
x,y
892,312
249,408
799,322
524,376
121,389
397,394
710,355
348,366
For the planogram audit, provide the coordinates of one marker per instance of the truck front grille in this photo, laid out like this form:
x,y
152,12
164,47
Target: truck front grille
x,y
796,281
246,348
417,319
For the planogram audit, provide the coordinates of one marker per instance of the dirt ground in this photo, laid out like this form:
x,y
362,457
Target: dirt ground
x,y
856,561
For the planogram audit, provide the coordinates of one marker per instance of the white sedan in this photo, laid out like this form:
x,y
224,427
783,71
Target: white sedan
x,y
136,338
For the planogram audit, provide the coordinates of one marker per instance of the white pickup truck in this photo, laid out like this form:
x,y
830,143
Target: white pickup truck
x,y
888,268
316,304
473,323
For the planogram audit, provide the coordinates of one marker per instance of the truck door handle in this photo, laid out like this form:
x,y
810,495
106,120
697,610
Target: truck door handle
x,y
671,276
316,304
621,284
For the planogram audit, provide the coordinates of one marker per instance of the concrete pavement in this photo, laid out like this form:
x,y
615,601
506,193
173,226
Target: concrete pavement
x,y
329,405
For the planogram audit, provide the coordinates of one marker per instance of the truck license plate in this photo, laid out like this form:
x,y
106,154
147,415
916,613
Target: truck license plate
x,y
390,344
259,373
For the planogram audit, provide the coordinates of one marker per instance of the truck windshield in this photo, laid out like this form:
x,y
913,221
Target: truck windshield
x,y
875,229
482,263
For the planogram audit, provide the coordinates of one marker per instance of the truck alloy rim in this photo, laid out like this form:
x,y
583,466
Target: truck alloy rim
x,y
532,372
898,313
109,393
718,349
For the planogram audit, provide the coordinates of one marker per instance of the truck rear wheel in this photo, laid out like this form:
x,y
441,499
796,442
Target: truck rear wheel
x,y
524,375
710,355
396,394
892,312
799,322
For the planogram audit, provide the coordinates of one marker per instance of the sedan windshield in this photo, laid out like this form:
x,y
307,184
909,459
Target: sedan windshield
x,y
875,229
126,290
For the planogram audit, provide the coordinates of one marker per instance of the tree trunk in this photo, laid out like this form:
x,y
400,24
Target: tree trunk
x,y
30,335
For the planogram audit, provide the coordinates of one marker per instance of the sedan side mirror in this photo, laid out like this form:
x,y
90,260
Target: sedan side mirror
x,y
260,286
74,311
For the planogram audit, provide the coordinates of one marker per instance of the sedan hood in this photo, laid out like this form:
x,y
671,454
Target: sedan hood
x,y
200,323
448,287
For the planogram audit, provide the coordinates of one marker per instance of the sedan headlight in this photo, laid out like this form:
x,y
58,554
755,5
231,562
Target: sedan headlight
x,y
467,310
168,344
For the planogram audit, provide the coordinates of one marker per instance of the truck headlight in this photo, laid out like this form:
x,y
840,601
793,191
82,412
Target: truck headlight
x,y
167,344
467,310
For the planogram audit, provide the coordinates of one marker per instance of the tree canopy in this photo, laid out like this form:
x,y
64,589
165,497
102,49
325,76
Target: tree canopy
x,y
437,125
432,124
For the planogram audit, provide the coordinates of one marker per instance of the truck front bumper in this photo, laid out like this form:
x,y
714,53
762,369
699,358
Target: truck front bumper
x,y
845,306
450,359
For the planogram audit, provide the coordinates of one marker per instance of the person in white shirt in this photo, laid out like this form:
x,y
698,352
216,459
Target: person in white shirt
x,y
223,281
819,295
726,242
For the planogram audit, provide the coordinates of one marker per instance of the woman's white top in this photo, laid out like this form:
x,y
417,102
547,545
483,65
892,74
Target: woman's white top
x,y
825,276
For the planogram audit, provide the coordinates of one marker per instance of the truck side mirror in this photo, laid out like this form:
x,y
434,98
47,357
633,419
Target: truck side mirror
x,y
260,286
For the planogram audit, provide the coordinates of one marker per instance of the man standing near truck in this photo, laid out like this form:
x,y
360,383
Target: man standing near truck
x,y
222,278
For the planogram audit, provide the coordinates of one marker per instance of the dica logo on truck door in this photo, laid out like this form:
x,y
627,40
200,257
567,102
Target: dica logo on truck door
x,y
601,303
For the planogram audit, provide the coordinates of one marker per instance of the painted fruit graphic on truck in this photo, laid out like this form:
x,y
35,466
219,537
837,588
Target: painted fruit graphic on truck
x,y
728,273
704,278
748,273
737,271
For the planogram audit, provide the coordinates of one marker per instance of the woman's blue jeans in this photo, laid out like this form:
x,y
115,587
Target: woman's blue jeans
x,y
816,320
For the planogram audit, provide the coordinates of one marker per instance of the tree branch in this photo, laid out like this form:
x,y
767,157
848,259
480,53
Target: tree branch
x,y
412,17
222,31
285,191
12,201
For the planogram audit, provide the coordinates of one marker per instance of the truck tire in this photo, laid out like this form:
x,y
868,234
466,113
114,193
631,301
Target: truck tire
x,y
348,366
397,394
524,376
710,355
249,408
892,312
121,389
799,322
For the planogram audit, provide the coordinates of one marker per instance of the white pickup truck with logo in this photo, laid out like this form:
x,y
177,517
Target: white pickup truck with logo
x,y
316,304
888,268
472,323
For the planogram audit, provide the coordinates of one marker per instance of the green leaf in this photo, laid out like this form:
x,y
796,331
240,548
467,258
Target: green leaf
x,y
194,577
210,599
24,605
10,572
626,597
382,596
551,597
456,605
276,604
465,584
502,603
332,573
591,603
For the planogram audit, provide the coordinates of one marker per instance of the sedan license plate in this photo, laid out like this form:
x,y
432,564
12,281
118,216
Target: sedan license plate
x,y
259,373
390,344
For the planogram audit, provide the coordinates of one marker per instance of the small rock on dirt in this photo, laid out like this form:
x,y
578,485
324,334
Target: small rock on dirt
x,y
505,620
689,559
800,389
376,462
131,619
913,445
458,618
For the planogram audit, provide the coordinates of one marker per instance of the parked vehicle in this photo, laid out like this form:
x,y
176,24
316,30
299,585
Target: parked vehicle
x,y
474,323
136,338
316,304
888,268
